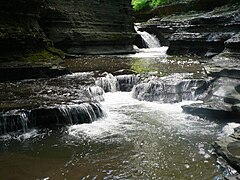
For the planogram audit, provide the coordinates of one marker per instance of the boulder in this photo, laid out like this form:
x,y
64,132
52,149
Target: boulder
x,y
221,103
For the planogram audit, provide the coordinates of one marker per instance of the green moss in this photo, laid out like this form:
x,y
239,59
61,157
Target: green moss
x,y
41,56
25,41
141,66
56,52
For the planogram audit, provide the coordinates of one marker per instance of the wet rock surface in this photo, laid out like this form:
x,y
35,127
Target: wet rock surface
x,y
214,34
68,99
228,147
171,89
12,73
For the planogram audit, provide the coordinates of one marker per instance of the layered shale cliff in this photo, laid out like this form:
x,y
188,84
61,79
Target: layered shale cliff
x,y
89,26
20,34
29,30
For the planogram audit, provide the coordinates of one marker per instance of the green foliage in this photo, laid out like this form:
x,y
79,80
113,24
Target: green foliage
x,y
140,4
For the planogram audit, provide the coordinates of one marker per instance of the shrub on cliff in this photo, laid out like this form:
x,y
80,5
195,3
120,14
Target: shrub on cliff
x,y
140,4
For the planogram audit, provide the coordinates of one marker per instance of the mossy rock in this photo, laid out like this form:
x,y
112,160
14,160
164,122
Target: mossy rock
x,y
54,56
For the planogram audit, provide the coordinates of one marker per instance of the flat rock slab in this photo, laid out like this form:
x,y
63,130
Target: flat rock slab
x,y
213,110
226,64
229,148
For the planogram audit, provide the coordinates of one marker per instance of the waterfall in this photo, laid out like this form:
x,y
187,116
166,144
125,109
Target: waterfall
x,y
23,120
82,113
150,40
126,82
95,93
14,120
109,83
166,91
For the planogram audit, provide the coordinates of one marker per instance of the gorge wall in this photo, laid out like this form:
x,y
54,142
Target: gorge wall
x,y
89,27
29,30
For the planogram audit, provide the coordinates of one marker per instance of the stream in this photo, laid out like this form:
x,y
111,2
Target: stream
x,y
131,139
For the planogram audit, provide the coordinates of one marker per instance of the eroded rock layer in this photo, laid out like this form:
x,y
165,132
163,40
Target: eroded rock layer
x,y
28,29
89,26
201,32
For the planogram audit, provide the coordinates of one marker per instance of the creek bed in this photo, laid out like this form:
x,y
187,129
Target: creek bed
x,y
135,140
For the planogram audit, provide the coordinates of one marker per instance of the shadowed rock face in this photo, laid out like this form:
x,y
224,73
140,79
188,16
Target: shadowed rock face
x,y
76,27
19,29
30,31
89,26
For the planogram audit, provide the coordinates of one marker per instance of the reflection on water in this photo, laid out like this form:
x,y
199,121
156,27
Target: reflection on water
x,y
146,61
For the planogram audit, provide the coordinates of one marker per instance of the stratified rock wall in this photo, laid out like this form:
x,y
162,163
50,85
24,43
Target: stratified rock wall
x,y
196,33
76,27
89,26
205,34
19,29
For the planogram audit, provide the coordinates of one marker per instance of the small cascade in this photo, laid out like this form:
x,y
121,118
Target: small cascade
x,y
95,93
194,89
23,120
150,40
82,113
126,82
108,83
151,91
166,91
14,120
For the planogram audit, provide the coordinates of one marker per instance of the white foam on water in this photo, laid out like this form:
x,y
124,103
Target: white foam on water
x,y
126,114
33,133
229,129
150,52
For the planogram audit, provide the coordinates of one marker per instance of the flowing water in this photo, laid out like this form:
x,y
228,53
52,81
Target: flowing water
x,y
150,40
126,139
